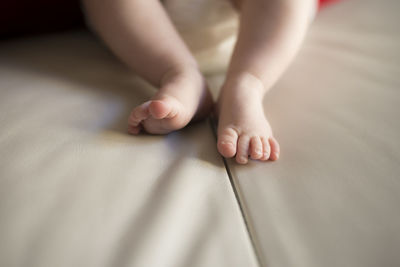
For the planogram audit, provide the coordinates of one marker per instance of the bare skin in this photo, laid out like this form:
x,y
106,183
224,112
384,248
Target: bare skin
x,y
158,54
259,59
140,33
243,129
182,97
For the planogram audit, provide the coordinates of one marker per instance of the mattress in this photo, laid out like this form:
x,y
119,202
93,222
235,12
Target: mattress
x,y
77,190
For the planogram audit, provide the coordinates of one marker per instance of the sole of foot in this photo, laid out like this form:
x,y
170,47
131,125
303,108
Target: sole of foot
x,y
182,97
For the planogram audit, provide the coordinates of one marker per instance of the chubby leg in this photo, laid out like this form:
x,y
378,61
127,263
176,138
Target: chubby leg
x,y
140,33
270,34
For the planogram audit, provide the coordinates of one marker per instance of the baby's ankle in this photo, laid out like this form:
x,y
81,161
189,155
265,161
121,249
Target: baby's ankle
x,y
189,71
243,84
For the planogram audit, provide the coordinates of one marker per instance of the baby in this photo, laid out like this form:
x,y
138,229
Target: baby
x,y
141,34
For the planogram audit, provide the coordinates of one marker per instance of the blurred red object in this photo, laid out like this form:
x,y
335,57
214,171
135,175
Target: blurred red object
x,y
323,3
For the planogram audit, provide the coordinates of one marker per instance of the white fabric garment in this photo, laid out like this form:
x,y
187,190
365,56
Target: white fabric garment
x,y
209,29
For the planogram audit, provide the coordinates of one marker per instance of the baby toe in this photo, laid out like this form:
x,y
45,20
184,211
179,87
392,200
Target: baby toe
x,y
134,129
227,142
266,148
242,154
159,109
275,149
139,114
256,147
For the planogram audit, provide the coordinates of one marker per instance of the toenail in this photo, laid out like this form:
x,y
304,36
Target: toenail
x,y
226,143
258,152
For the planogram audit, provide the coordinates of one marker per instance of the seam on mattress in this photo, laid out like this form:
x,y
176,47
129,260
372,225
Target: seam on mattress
x,y
239,201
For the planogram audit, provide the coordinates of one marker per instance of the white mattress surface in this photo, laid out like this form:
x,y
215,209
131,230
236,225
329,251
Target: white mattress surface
x,y
77,190
333,197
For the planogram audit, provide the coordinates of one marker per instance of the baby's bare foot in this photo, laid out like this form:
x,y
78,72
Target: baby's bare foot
x,y
243,129
183,96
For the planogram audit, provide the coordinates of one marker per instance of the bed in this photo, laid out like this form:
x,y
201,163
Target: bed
x,y
77,190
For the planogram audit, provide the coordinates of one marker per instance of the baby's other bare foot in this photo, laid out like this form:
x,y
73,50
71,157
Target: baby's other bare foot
x,y
243,129
183,96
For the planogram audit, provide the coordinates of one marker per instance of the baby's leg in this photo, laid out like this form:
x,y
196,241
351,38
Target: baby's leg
x,y
142,35
270,34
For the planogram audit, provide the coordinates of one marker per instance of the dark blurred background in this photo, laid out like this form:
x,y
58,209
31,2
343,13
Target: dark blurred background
x,y
26,17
